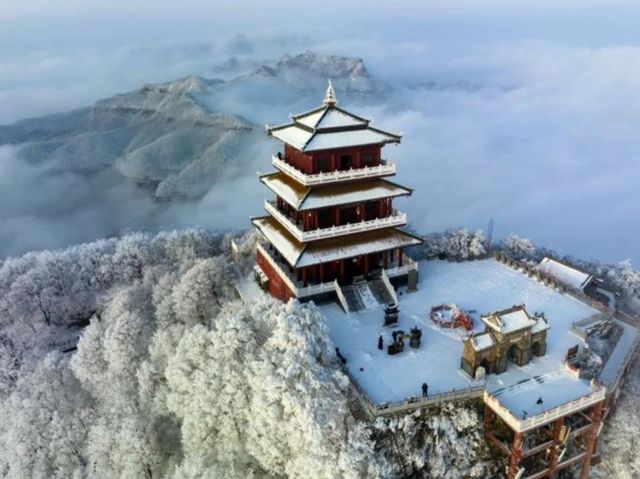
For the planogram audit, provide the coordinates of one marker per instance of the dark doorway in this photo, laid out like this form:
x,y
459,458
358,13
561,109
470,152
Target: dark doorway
x,y
325,218
537,349
371,210
323,164
348,215
486,365
345,162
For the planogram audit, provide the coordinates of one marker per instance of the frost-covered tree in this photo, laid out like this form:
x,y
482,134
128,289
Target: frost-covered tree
x,y
517,247
45,422
626,280
457,243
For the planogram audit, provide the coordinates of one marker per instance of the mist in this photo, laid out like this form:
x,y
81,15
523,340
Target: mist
x,y
527,115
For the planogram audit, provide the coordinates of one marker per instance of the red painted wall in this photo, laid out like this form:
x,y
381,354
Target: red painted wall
x,y
302,161
306,162
277,287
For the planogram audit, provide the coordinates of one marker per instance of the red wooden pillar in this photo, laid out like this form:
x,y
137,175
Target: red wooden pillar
x,y
315,219
488,420
358,159
592,436
304,276
385,255
516,454
399,256
337,216
553,455
333,162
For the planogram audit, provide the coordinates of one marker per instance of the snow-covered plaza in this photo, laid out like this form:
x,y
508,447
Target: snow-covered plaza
x,y
478,287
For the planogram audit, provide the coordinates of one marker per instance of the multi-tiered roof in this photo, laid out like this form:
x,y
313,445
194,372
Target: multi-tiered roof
x,y
332,218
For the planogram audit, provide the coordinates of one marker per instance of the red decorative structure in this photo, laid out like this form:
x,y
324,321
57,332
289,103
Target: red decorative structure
x,y
332,220
450,316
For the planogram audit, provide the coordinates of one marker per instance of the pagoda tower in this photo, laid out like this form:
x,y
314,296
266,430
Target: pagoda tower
x,y
332,222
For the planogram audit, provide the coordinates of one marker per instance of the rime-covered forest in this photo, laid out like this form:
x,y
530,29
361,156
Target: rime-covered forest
x,y
135,357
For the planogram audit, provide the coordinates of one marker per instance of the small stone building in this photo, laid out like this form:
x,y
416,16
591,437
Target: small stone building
x,y
509,335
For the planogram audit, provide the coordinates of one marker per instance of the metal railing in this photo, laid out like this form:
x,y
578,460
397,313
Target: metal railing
x,y
411,404
383,169
396,219
522,425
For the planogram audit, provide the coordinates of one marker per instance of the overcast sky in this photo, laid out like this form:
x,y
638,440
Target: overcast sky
x,y
559,103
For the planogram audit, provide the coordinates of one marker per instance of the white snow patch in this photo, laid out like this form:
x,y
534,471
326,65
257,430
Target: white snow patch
x,y
484,286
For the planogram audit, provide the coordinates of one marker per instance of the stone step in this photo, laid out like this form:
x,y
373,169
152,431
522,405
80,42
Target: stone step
x,y
380,291
353,298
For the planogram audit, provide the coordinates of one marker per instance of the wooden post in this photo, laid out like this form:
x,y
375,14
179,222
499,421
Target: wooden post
x,y
337,222
304,276
516,454
341,270
399,256
488,420
333,162
385,255
592,436
553,455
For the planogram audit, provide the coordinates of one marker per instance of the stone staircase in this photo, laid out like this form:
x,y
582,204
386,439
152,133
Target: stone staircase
x,y
380,291
353,298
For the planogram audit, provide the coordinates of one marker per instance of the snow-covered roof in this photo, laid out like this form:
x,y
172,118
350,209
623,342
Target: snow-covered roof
x,y
328,127
568,275
509,320
304,198
284,242
299,254
541,325
356,245
482,341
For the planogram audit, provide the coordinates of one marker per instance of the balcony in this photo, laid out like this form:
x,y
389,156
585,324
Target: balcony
x,y
297,288
546,417
396,219
383,169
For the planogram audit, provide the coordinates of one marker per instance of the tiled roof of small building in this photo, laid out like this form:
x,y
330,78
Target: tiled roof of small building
x,y
568,275
482,341
509,320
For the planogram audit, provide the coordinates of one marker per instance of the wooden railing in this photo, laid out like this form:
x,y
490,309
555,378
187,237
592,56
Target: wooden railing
x,y
396,219
383,169
522,425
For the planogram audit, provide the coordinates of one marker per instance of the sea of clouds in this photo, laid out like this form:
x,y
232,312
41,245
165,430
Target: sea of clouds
x,y
526,116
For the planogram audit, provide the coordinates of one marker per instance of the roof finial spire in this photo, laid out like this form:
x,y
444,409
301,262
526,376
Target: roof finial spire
x,y
330,96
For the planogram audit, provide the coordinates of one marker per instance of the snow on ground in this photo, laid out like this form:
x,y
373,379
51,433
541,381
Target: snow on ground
x,y
553,388
366,295
481,287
